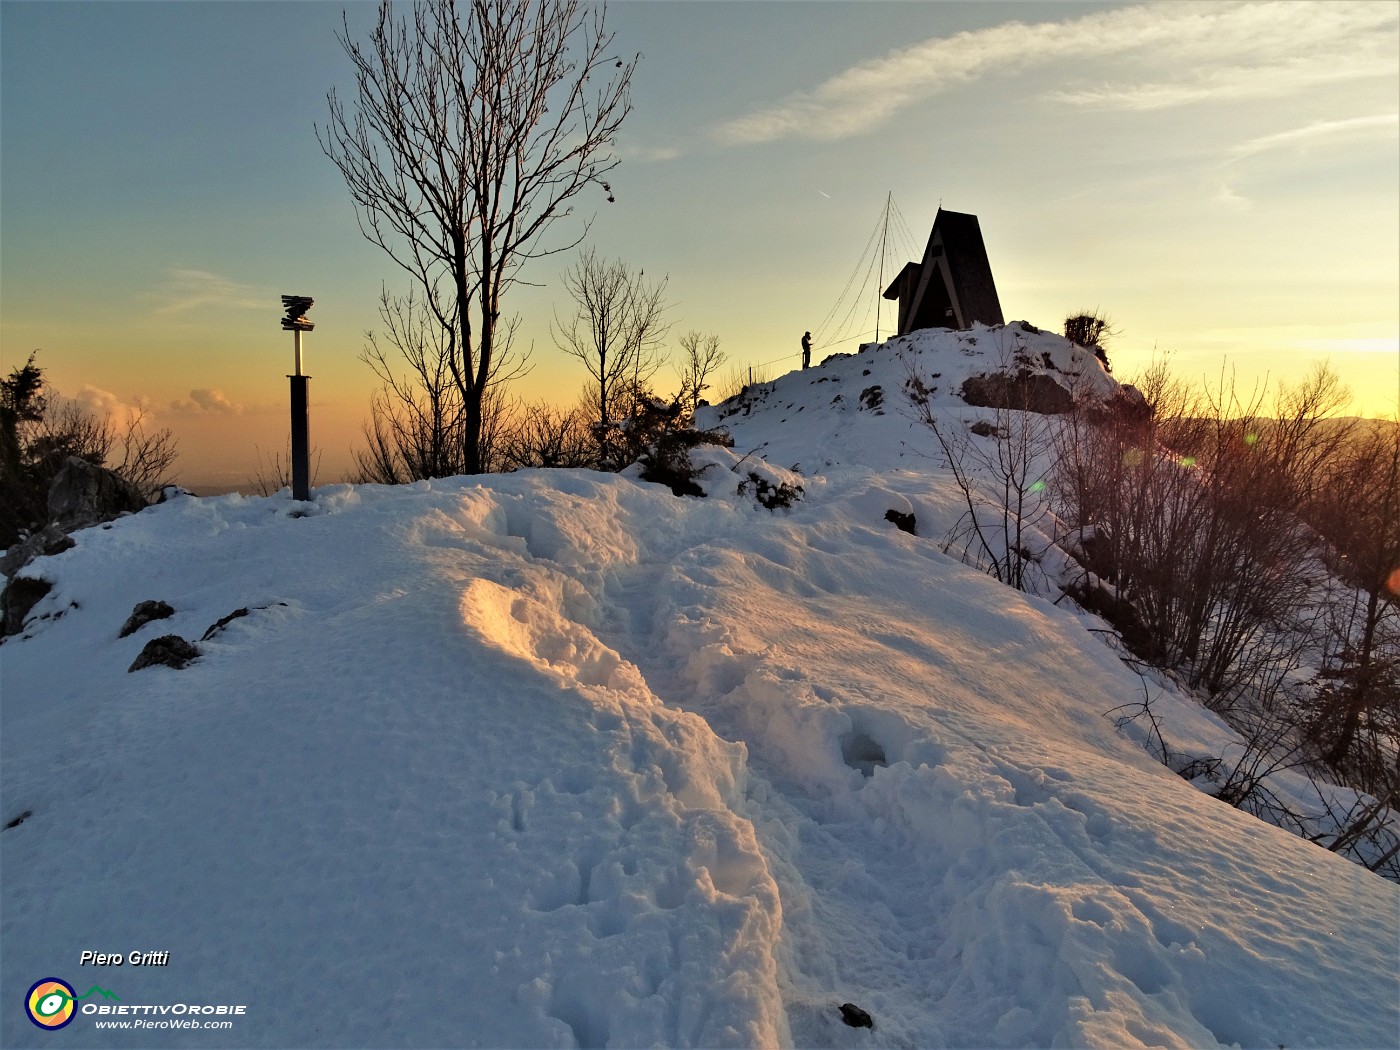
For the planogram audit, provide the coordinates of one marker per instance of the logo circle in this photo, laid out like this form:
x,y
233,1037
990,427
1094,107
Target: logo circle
x,y
50,1003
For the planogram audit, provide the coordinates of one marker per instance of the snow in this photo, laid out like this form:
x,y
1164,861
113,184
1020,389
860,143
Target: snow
x,y
558,759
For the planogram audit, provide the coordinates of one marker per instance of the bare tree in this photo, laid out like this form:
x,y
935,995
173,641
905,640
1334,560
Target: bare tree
x,y
408,437
146,455
416,415
617,329
1307,435
472,129
699,360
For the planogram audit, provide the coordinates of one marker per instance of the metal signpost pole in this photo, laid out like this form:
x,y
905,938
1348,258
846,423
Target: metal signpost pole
x,y
295,321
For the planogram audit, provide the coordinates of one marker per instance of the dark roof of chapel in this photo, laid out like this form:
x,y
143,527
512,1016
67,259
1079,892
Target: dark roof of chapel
x,y
967,262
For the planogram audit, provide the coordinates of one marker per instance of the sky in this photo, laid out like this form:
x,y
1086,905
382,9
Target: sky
x,y
1222,180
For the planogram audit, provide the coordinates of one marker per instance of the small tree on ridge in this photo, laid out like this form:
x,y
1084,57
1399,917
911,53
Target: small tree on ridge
x,y
473,128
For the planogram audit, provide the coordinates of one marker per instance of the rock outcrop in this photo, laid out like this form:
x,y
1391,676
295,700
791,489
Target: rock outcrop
x,y
169,649
143,614
21,594
1023,391
82,494
51,539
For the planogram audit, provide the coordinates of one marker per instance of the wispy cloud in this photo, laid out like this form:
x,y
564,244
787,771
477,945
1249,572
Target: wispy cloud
x,y
206,400
1230,84
185,291
649,154
1377,126
1181,53
1382,345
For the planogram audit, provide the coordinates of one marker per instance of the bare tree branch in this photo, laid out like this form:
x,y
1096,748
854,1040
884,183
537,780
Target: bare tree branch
x,y
473,128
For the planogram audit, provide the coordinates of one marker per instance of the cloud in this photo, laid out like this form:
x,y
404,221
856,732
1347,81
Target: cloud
x,y
185,291
207,400
649,154
1222,85
103,404
1373,345
1377,126
1174,54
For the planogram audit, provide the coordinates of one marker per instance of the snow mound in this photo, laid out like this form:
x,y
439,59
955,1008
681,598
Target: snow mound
x,y
853,409
561,759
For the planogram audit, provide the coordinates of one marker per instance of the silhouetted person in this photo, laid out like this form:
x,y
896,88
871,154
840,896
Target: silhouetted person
x,y
806,349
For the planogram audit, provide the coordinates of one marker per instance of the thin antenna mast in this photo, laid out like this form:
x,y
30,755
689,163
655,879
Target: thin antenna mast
x,y
880,287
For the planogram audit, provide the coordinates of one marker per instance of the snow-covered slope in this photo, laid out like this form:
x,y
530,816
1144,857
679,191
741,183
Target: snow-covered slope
x,y
558,759
853,410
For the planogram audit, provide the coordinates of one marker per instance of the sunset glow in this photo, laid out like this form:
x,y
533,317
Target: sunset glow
x,y
1220,179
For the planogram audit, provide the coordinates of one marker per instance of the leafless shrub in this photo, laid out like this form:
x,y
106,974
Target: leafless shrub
x,y
272,475
418,416
740,378
1366,831
1142,711
1356,509
1193,518
1001,481
1257,548
409,436
1091,330
544,435
147,456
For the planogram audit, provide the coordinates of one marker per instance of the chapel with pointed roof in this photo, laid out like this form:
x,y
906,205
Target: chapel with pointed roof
x,y
952,286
